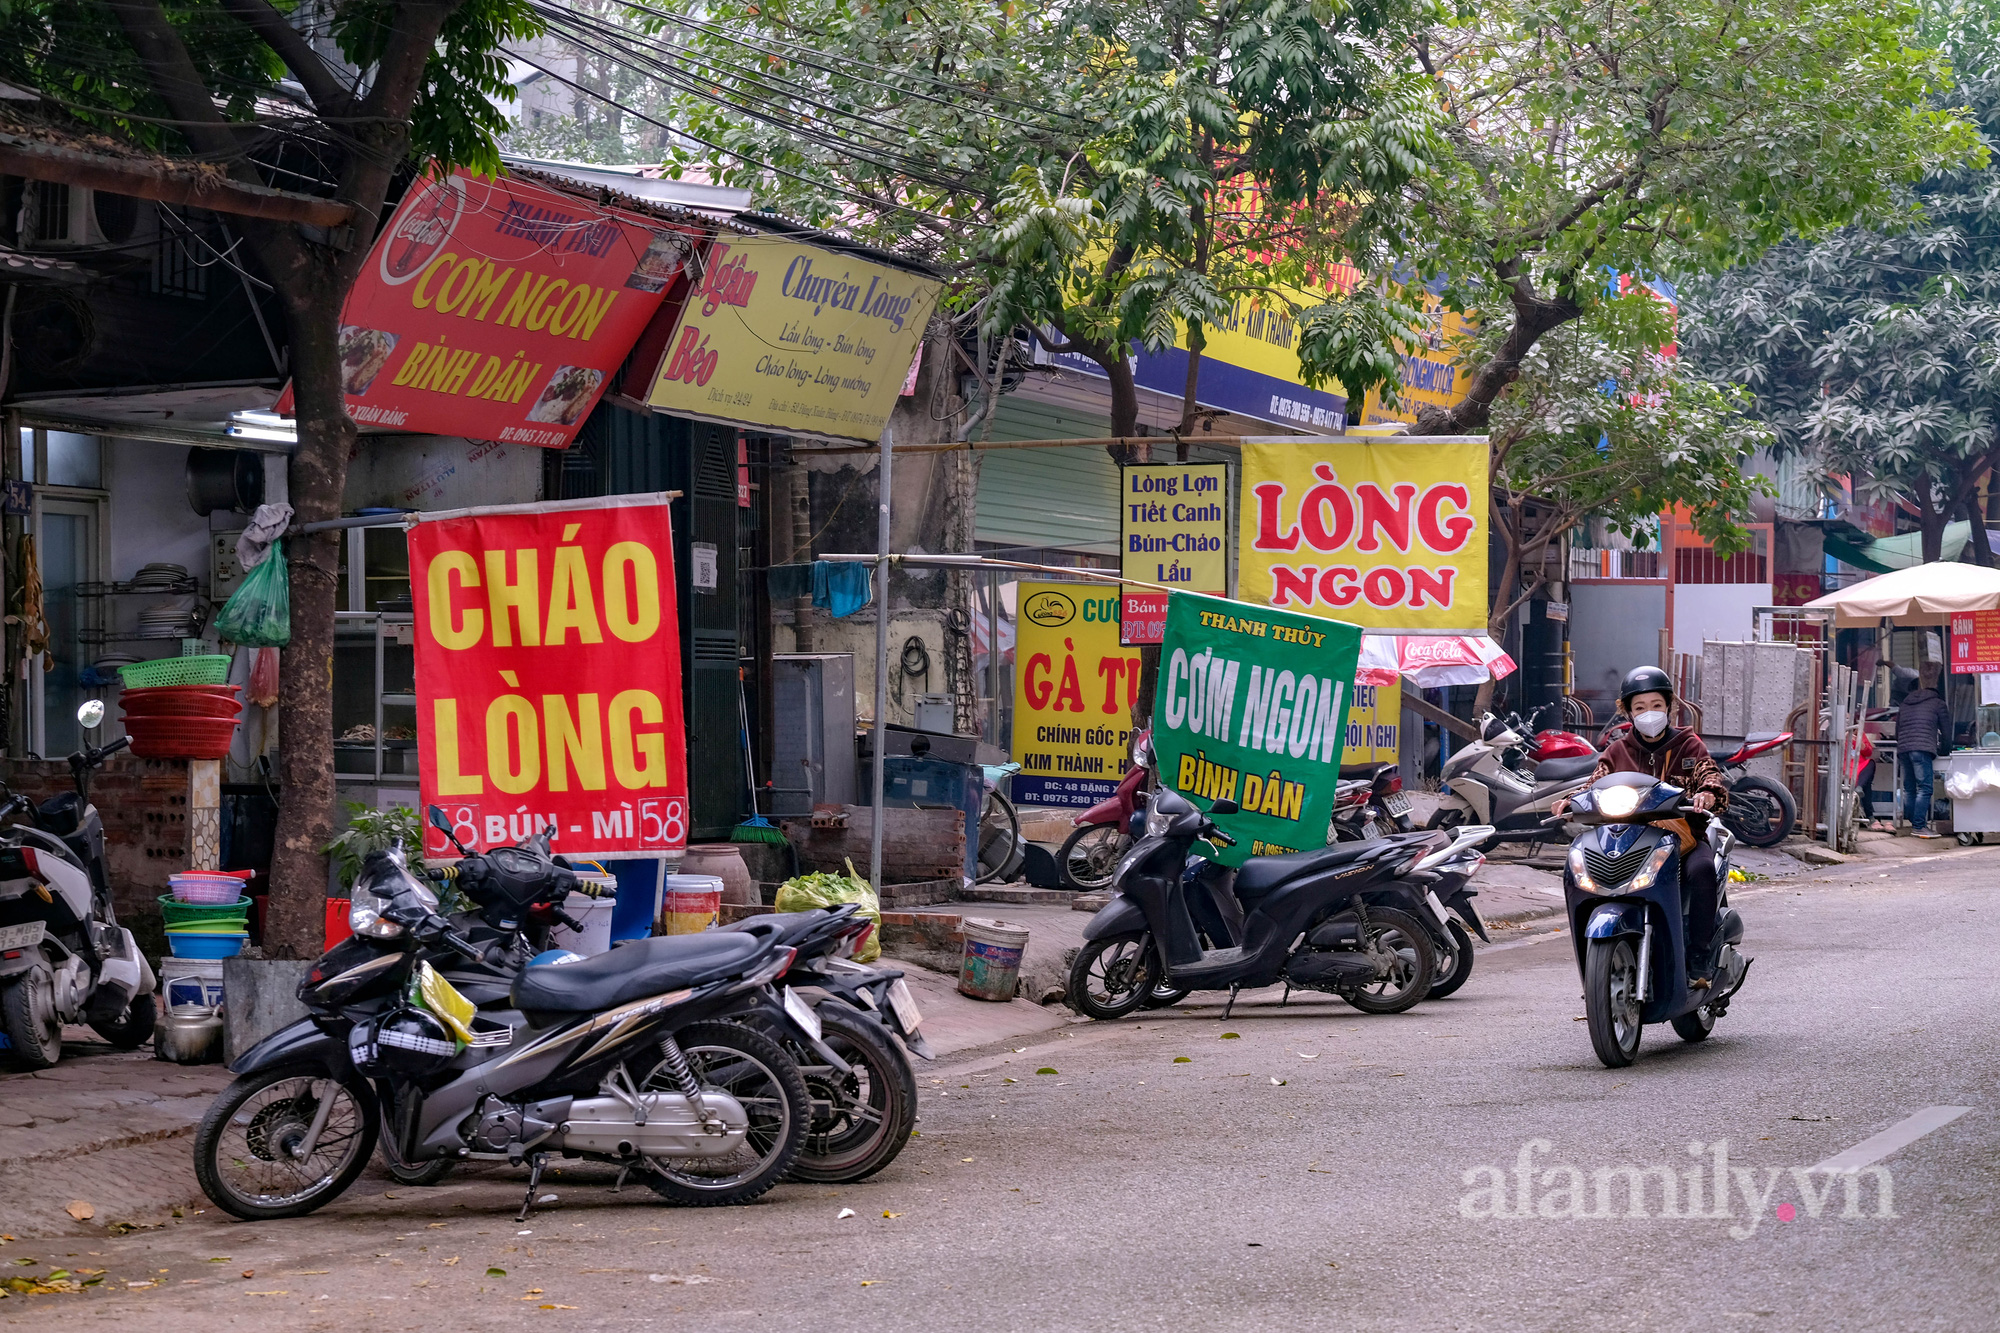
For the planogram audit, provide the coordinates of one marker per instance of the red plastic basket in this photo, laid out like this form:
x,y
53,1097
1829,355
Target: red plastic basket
x,y
183,701
180,737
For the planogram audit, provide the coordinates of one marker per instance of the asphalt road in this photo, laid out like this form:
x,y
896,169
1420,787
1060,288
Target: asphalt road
x,y
1321,1168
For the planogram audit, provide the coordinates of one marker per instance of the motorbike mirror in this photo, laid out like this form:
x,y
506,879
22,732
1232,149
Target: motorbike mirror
x,y
90,714
1225,806
442,823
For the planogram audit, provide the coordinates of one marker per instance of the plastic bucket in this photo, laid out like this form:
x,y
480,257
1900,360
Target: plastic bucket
x,y
191,986
339,913
595,914
991,969
690,905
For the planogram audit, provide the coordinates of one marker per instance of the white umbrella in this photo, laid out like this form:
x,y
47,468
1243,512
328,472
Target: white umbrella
x,y
1431,660
1925,595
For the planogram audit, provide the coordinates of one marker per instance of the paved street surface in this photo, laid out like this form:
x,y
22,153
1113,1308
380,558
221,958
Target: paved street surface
x,y
1306,1167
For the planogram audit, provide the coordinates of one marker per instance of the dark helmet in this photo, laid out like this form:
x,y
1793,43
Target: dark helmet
x,y
1642,680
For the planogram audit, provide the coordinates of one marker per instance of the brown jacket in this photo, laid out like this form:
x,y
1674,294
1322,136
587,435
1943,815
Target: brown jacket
x,y
1679,758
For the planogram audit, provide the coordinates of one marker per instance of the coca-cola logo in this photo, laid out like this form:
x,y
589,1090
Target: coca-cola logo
x,y
422,228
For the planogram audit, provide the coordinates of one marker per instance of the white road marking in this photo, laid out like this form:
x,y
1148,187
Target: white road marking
x,y
1899,1135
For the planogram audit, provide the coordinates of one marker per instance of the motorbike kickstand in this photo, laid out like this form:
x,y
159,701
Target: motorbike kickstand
x,y
535,1164
1286,998
1234,987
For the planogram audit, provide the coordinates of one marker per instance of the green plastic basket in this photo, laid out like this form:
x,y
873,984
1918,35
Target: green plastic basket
x,y
175,912
202,669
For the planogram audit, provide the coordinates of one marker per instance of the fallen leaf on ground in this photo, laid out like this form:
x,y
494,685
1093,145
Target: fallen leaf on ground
x,y
79,1210
534,1291
1399,1074
965,1159
558,1307
1182,1060
1229,1036
870,1281
267,1293
1048,1069
845,1212
546,1198
691,1280
1278,1082
449,1262
887,1213
1303,1056
249,1272
496,1272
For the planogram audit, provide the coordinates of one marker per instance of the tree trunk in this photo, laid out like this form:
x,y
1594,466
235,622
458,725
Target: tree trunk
x,y
1503,594
295,916
1980,546
1534,316
1932,522
1124,405
1190,402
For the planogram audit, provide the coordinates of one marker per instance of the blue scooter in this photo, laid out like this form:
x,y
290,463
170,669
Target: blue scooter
x,y
1628,917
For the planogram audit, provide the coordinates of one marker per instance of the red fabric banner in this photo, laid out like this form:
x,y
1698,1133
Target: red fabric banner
x,y
497,309
549,676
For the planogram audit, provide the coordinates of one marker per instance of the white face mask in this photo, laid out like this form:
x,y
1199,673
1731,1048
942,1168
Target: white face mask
x,y
1651,724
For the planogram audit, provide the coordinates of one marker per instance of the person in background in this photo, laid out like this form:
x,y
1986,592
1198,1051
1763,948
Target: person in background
x,y
1922,725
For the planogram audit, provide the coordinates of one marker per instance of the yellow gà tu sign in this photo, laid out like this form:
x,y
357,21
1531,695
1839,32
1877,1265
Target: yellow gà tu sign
x,y
1074,689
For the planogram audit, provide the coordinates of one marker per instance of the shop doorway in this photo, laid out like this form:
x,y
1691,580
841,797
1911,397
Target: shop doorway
x,y
68,536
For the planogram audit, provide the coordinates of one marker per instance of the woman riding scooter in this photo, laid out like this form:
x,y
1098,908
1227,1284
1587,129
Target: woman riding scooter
x,y
1672,754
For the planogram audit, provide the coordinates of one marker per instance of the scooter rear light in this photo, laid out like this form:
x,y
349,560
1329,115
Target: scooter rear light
x,y
1395,784
854,940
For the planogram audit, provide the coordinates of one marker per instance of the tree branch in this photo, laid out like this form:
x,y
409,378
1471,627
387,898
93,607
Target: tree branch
x,y
329,97
172,72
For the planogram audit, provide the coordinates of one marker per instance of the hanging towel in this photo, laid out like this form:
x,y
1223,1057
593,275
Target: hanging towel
x,y
841,588
788,583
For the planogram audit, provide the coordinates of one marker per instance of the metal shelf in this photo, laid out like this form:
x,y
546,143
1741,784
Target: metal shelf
x,y
178,588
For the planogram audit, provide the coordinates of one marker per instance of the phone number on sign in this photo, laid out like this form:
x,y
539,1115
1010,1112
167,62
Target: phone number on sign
x,y
1060,791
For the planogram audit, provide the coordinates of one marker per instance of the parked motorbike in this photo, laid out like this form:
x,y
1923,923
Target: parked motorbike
x,y
1548,743
864,1091
1487,781
1089,856
63,956
1147,937
1761,811
1368,802
1443,879
1628,917
625,1058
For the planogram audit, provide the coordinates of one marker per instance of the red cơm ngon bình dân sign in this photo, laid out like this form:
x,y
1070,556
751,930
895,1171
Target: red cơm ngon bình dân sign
x,y
549,676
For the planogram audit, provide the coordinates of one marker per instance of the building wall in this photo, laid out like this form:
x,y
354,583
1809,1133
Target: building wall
x,y
143,803
1704,611
1614,626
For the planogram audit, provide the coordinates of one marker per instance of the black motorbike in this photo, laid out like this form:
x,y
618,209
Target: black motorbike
x,y
1147,939
1629,918
626,1058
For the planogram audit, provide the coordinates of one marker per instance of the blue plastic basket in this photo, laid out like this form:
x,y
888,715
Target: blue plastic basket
x,y
206,944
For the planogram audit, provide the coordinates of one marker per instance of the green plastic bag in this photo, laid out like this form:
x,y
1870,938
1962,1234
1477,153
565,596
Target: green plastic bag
x,y
259,613
822,890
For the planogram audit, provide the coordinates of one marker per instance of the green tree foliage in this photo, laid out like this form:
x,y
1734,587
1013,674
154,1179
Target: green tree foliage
x,y
1874,355
1591,135
336,100
1601,422
1100,173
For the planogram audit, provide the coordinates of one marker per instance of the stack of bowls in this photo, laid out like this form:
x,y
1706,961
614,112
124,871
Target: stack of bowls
x,y
181,721
206,915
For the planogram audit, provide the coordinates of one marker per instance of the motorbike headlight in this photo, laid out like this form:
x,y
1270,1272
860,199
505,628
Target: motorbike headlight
x,y
364,916
1157,821
1618,802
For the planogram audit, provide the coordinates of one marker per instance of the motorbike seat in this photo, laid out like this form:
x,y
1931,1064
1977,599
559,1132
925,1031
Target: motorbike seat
x,y
636,970
1756,738
1562,770
1367,771
1260,874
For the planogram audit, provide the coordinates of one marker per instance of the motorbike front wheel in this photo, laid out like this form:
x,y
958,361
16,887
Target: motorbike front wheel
x,y
251,1153
1761,812
860,1120
135,1027
1611,1000
1459,963
1112,975
34,1028
754,1069
1089,856
1411,965
420,1175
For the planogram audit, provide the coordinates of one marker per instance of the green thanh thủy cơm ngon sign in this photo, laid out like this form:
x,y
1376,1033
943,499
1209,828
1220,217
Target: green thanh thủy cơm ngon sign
x,y
1252,707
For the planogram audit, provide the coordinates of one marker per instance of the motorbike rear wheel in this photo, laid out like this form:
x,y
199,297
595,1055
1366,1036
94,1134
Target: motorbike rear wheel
x,y
28,1009
1410,973
1113,975
755,1070
1089,856
1611,1000
1761,812
861,1121
245,1151
1695,1024
1460,963
135,1028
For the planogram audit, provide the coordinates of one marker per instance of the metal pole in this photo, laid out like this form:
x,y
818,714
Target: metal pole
x,y
1836,750
993,658
881,653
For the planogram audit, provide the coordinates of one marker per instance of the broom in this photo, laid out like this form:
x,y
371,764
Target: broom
x,y
756,828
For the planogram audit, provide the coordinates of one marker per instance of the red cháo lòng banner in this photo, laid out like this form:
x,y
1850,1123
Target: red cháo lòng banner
x,y
549,676
497,309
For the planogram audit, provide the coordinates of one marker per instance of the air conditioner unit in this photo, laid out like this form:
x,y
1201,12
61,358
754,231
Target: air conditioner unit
x,y
67,216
